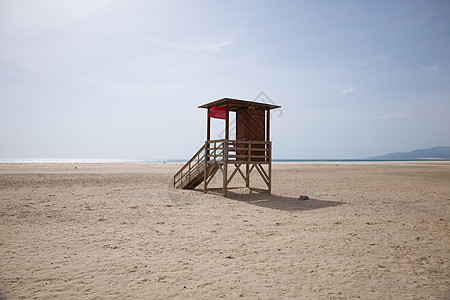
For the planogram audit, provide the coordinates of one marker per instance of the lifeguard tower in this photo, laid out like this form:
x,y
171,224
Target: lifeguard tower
x,y
252,147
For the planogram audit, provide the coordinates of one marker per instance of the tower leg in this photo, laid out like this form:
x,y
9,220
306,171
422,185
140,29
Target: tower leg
x,y
225,164
205,171
269,171
247,175
205,178
225,180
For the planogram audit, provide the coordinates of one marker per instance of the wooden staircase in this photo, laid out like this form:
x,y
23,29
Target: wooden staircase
x,y
193,172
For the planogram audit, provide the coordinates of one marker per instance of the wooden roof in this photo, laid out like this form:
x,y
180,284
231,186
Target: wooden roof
x,y
236,104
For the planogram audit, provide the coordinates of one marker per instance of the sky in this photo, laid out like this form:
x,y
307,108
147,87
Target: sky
x,y
124,79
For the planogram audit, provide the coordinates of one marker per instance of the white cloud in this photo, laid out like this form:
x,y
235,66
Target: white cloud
x,y
390,117
429,68
205,46
349,90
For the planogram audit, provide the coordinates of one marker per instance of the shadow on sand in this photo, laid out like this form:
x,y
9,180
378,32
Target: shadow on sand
x,y
263,199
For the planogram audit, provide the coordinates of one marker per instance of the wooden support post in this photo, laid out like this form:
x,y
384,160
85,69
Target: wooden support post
x,y
227,123
247,175
208,126
205,170
270,168
247,169
225,151
208,138
225,167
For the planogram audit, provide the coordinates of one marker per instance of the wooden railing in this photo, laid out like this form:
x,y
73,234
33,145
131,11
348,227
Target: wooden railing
x,y
238,151
193,166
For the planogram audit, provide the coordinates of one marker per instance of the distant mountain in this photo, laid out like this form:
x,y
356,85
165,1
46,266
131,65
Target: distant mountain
x,y
430,153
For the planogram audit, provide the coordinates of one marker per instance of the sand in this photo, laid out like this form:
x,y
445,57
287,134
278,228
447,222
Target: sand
x,y
85,231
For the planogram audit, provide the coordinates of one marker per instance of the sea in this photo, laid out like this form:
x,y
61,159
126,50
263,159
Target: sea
x,y
140,161
72,161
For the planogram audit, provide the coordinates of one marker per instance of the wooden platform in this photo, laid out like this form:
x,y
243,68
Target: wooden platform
x,y
223,155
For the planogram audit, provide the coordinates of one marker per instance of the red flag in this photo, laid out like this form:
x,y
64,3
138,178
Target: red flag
x,y
218,112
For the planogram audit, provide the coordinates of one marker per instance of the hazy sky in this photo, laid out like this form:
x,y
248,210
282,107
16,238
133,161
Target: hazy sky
x,y
123,79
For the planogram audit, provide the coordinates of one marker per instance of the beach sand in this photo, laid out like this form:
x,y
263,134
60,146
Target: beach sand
x,y
372,230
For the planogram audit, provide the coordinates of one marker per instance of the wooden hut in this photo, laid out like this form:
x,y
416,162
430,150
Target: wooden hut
x,y
251,150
